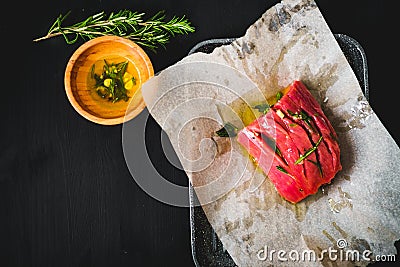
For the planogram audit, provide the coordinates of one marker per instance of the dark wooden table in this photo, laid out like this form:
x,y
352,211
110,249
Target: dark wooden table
x,y
66,195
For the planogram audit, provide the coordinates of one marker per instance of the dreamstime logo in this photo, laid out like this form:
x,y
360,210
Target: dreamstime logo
x,y
341,243
331,254
180,113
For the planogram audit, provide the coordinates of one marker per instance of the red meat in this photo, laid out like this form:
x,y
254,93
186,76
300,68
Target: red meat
x,y
295,144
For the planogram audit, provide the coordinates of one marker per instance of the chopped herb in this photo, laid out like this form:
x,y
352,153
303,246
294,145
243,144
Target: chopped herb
x,y
302,116
281,169
229,130
263,108
291,113
277,151
279,96
114,82
309,152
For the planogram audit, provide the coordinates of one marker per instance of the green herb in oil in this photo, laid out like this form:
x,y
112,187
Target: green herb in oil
x,y
229,130
114,82
279,96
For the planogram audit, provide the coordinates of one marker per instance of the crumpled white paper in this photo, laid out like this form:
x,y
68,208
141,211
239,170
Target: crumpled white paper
x,y
359,212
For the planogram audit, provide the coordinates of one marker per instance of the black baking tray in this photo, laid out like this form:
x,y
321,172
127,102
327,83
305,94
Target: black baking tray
x,y
207,249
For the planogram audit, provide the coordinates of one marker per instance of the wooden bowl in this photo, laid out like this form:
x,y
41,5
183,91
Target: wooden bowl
x,y
81,89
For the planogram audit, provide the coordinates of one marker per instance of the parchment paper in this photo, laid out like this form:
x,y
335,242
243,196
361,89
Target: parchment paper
x,y
359,210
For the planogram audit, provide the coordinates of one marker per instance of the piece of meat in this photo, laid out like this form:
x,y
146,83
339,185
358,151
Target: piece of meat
x,y
294,144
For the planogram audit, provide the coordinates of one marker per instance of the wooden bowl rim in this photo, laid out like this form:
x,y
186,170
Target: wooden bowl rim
x,y
71,63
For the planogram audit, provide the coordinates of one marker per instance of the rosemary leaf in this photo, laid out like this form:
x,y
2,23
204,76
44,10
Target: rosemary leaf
x,y
281,169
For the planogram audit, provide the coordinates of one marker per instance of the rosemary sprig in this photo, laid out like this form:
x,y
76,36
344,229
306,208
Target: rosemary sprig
x,y
151,33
